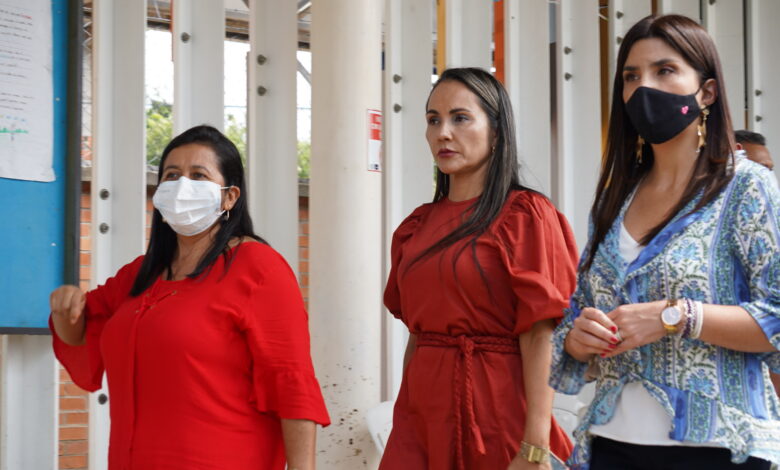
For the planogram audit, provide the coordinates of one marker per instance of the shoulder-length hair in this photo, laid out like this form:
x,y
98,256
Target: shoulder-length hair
x,y
620,173
162,240
502,168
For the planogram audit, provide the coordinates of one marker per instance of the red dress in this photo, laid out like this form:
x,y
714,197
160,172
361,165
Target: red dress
x,y
462,401
200,371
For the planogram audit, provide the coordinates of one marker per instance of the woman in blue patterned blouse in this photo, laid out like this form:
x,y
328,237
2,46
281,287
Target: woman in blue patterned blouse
x,y
677,310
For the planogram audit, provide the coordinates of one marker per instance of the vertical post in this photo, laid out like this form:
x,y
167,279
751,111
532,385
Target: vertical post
x,y
527,69
470,28
723,20
346,225
689,8
763,66
578,94
408,164
28,403
119,162
272,176
198,58
623,14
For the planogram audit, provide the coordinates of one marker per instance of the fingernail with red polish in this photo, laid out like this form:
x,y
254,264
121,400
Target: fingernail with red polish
x,y
612,346
603,354
614,329
614,340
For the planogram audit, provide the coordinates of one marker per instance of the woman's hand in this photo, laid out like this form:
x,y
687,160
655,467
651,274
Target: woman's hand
x,y
67,314
638,324
593,332
519,463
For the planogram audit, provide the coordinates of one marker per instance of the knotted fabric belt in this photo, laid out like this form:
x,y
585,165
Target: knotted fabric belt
x,y
464,378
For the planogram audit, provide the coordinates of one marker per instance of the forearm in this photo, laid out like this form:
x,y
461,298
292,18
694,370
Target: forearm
x,y
300,437
731,327
70,333
536,351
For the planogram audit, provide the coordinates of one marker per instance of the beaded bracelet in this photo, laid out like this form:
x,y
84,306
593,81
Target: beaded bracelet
x,y
689,318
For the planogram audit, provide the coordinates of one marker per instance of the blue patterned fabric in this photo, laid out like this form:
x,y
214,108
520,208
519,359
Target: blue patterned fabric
x,y
726,253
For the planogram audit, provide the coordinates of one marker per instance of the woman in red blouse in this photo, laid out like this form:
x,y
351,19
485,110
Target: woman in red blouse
x,y
479,276
204,340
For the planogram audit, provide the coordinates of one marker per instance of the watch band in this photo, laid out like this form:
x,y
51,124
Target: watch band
x,y
533,453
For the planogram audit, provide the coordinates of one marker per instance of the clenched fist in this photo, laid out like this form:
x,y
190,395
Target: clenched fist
x,y
67,313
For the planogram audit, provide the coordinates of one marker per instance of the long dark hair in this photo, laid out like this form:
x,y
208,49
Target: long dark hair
x,y
162,241
620,173
502,167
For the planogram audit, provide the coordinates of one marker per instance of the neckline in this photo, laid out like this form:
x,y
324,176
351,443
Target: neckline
x,y
172,281
628,235
446,200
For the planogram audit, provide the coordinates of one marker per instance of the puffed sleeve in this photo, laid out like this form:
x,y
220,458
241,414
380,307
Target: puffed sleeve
x,y
275,324
402,234
757,242
538,249
84,363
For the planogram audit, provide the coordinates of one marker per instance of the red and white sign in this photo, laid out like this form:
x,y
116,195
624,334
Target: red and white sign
x,y
374,119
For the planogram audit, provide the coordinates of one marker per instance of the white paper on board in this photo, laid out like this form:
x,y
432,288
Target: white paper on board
x,y
26,90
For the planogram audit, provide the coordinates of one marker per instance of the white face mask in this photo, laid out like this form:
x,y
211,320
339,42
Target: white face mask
x,y
189,207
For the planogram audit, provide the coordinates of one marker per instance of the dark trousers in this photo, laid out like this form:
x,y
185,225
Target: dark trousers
x,y
613,455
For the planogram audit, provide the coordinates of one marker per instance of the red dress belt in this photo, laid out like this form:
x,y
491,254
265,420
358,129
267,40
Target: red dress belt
x,y
464,377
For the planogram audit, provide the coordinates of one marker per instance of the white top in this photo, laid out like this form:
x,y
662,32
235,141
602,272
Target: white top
x,y
635,404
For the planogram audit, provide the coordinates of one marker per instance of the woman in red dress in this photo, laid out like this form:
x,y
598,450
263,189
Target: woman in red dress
x,y
204,340
479,276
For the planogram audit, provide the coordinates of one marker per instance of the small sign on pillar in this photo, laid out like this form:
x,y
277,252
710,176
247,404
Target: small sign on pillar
x,y
374,140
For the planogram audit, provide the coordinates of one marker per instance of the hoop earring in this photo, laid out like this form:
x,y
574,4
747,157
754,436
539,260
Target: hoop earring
x,y
640,142
702,129
227,215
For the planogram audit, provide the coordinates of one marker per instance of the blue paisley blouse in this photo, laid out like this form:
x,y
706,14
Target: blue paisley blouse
x,y
726,253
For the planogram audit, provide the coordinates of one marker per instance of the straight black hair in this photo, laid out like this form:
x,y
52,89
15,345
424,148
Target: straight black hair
x,y
502,168
162,241
749,137
620,173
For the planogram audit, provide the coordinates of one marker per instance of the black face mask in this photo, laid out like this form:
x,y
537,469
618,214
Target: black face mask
x,y
658,116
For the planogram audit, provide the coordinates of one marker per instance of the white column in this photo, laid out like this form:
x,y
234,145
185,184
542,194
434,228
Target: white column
x,y
763,36
689,8
723,20
578,109
272,176
29,403
198,58
469,33
623,14
527,65
408,162
119,161
346,226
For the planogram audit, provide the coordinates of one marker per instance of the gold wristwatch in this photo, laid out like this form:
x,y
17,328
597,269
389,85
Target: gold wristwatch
x,y
533,453
671,317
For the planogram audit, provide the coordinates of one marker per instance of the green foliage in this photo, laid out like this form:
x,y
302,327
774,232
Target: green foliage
x,y
236,132
159,130
304,158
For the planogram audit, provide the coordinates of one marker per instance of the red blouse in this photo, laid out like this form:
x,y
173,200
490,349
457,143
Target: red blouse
x,y
464,384
200,371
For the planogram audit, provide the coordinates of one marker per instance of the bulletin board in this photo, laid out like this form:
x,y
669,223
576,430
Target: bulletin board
x,y
39,203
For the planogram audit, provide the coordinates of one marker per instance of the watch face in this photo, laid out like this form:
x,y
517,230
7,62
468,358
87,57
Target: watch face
x,y
671,315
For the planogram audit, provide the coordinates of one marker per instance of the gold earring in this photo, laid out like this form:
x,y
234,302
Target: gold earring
x,y
702,128
640,142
